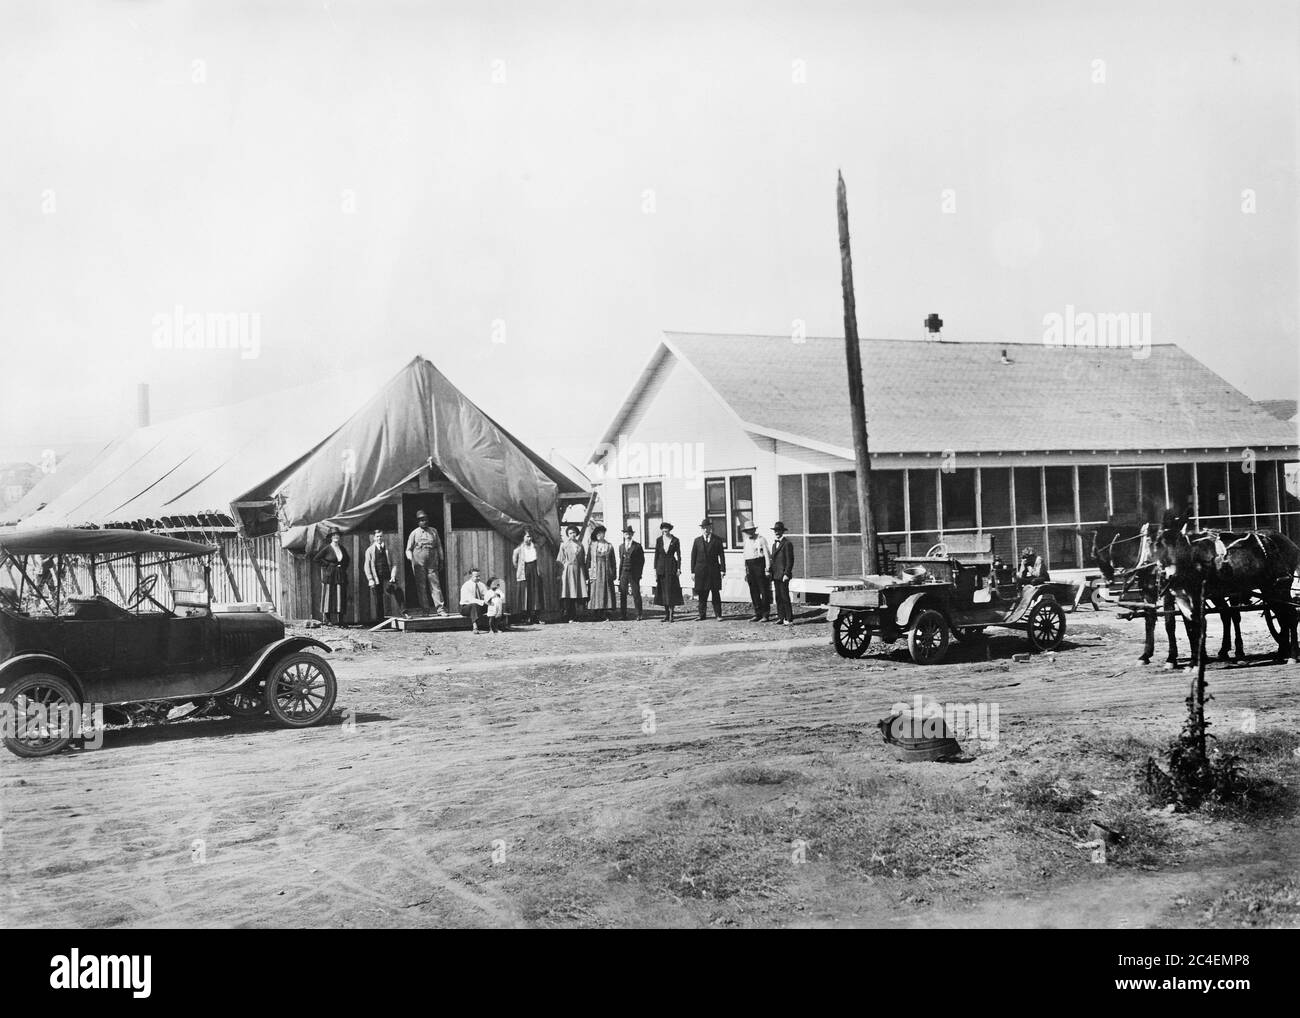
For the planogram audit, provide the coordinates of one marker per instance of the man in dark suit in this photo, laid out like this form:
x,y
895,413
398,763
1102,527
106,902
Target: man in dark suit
x,y
782,570
631,563
709,566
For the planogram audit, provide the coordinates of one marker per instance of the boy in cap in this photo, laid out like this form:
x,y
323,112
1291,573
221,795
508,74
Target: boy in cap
x,y
631,563
780,570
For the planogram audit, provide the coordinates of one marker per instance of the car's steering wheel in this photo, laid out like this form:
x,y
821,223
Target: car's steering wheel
x,y
939,550
143,590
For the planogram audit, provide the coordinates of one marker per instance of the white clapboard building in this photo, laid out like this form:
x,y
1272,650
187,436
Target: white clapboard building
x,y
1030,443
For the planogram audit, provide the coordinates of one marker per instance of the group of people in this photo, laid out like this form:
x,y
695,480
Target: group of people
x,y
602,574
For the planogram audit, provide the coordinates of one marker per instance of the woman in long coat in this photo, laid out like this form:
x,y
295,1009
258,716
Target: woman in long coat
x,y
603,564
668,568
573,573
333,560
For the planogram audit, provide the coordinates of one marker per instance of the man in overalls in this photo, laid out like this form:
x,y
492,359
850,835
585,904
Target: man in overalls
x,y
424,552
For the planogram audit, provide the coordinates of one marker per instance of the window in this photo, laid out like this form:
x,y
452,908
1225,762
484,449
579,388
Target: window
x,y
847,519
887,500
1211,494
995,497
1240,494
1029,496
715,503
958,499
819,504
790,497
1092,495
742,507
643,509
1060,494
1179,476
924,499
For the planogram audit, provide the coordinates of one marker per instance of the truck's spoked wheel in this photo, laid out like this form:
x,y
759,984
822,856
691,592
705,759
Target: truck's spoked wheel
x,y
1046,625
850,635
300,690
246,703
40,710
927,640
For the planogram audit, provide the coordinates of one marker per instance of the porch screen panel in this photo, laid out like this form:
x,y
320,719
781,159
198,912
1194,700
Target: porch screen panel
x,y
790,499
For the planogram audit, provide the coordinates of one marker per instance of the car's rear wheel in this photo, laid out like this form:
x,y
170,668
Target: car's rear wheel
x,y
300,690
40,712
244,703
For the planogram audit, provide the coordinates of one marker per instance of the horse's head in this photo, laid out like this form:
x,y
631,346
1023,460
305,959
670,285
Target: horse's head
x,y
1183,557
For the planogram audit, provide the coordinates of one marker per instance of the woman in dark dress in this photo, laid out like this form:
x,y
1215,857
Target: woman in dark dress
x,y
333,561
668,568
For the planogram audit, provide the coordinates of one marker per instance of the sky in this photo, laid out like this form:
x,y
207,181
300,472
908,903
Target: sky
x,y
530,194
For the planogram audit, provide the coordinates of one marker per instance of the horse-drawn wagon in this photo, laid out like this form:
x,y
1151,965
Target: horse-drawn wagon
x,y
927,600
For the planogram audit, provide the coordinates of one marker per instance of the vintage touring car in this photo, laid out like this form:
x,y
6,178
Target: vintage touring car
x,y
66,647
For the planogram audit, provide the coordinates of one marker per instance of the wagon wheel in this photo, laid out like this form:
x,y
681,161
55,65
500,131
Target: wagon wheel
x,y
850,634
244,703
1046,625
927,640
1274,624
300,690
39,708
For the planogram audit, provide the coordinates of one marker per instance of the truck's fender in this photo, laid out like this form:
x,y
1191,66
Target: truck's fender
x,y
267,656
18,666
904,614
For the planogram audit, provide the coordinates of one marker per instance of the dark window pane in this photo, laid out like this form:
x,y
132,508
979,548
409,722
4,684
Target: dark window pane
x,y
819,558
1180,488
922,541
1060,494
1027,537
958,499
742,507
1092,495
631,499
1240,483
819,507
995,496
848,556
1266,489
1062,548
1211,491
715,497
846,503
790,494
654,498
1029,495
887,499
924,501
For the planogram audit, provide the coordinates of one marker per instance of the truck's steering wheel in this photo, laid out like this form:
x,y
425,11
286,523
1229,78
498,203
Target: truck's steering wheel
x,y
143,591
939,550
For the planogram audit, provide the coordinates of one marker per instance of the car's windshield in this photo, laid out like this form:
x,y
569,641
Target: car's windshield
x,y
178,587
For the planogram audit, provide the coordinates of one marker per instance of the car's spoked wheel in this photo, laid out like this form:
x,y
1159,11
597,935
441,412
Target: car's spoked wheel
x,y
850,634
40,709
1046,625
927,640
245,703
300,690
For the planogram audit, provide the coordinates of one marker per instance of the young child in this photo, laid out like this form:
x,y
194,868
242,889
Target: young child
x,y
496,604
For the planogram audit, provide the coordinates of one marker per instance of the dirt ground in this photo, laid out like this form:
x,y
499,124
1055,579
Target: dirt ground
x,y
716,773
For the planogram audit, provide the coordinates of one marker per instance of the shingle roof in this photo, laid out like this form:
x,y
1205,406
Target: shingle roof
x,y
1282,409
925,396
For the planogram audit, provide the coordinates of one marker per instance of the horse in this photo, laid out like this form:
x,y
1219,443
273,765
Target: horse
x,y
1130,548
1227,565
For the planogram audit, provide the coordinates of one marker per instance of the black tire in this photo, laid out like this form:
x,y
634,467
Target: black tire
x,y
850,634
249,702
1274,626
22,697
300,690
927,639
1046,625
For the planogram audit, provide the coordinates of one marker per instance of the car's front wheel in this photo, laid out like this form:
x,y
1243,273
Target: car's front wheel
x,y
300,690
41,709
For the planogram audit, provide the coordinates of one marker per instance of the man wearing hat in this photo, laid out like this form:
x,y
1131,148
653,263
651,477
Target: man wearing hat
x,y
424,552
709,566
758,563
668,567
781,569
1032,571
631,563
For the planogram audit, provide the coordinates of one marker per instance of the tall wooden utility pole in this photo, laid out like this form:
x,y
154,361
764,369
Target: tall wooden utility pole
x,y
857,402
